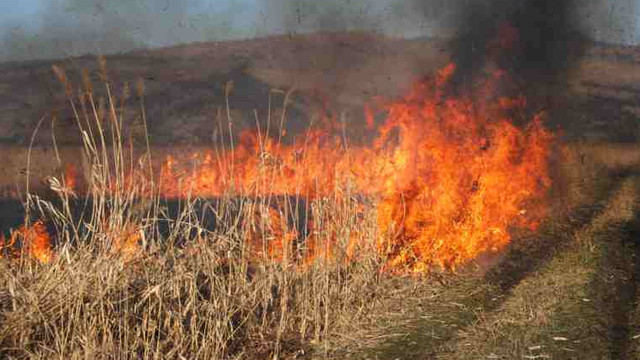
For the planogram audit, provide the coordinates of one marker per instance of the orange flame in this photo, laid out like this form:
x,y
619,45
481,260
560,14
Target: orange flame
x,y
71,177
36,241
452,176
127,244
268,235
124,240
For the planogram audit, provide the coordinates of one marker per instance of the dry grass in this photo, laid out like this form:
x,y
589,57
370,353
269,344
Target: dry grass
x,y
476,315
170,303
559,312
124,284
619,158
128,281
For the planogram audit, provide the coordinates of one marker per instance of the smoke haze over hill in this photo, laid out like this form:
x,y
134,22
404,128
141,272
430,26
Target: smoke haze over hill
x,y
58,28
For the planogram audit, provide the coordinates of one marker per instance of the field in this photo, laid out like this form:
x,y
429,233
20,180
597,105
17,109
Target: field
x,y
283,263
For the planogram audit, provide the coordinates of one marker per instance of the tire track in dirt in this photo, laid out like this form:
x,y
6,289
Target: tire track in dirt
x,y
577,307
526,256
523,258
620,302
616,283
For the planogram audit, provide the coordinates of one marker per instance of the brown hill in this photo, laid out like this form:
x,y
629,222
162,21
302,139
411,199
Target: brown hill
x,y
335,72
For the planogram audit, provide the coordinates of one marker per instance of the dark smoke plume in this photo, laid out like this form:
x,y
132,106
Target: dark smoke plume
x,y
546,41
73,27
548,36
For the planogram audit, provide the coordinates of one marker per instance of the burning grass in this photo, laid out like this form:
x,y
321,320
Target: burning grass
x,y
203,301
35,240
305,236
578,304
494,307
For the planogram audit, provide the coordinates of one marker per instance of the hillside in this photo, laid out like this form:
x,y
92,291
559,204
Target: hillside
x,y
335,72
456,235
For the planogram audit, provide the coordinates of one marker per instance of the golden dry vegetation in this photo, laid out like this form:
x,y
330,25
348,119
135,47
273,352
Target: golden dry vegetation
x,y
137,277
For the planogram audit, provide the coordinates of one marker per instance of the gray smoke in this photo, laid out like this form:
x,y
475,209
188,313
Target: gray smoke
x,y
404,18
549,39
73,27
292,16
603,20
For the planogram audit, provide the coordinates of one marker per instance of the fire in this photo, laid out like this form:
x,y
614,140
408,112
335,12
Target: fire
x,y
36,241
268,235
126,242
71,177
447,176
467,178
451,176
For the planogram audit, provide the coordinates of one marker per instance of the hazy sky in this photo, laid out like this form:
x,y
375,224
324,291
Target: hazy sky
x,y
57,28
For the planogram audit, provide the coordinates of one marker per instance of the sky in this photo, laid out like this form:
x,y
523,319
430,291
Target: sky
x,y
31,29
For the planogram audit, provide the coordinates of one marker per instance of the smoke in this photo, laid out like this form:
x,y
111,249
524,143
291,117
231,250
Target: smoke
x,y
544,38
59,28
75,27
401,18
612,21
293,16
550,31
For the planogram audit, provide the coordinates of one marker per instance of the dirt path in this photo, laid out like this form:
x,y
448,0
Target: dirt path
x,y
567,293
615,284
576,307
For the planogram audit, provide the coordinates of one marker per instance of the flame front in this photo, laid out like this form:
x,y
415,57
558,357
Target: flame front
x,y
450,175
466,177
35,239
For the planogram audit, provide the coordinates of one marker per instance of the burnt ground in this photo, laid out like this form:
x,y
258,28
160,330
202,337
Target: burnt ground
x,y
205,211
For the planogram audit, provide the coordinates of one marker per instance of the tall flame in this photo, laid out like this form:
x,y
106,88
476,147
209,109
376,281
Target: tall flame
x,y
451,174
468,175
448,175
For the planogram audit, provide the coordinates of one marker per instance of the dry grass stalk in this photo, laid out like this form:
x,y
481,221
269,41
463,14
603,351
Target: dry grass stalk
x,y
174,289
